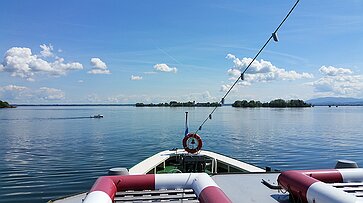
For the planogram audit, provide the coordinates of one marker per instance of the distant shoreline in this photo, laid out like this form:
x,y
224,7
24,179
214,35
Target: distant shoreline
x,y
180,104
74,104
65,105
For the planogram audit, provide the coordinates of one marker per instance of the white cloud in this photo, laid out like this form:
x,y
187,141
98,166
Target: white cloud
x,y
23,94
93,98
12,92
46,93
13,88
98,67
262,71
61,68
162,67
197,97
128,99
136,77
225,88
20,62
234,73
154,98
150,73
97,63
99,71
259,71
46,50
332,71
80,81
338,82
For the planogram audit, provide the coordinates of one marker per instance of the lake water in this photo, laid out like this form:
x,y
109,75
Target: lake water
x,y
48,152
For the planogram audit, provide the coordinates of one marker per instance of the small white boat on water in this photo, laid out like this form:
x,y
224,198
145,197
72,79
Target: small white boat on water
x,y
97,116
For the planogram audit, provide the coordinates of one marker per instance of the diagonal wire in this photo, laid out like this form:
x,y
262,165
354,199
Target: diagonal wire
x,y
242,74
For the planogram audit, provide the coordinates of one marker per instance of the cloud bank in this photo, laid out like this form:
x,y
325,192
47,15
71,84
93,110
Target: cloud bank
x,y
259,71
46,93
14,93
338,82
262,71
198,97
21,62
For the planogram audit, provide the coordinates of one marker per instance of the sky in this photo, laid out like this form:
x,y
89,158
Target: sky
x,y
157,51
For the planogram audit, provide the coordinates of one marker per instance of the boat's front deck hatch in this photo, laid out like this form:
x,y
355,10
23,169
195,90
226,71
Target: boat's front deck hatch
x,y
185,196
186,163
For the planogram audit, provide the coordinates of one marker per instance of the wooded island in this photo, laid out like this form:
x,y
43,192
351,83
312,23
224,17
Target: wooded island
x,y
179,104
277,103
4,104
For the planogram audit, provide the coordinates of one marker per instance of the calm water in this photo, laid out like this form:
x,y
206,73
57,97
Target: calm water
x,y
48,152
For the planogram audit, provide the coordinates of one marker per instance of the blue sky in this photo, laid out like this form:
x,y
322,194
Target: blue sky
x,y
158,51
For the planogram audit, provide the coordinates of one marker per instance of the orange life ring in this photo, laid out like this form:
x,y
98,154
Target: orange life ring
x,y
192,143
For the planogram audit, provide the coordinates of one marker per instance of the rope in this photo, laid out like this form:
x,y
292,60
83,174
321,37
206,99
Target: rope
x,y
242,74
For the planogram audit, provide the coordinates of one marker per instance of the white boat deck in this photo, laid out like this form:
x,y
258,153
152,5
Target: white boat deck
x,y
248,188
153,161
71,199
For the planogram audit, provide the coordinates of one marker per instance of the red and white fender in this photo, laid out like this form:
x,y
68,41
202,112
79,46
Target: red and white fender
x,y
310,186
207,191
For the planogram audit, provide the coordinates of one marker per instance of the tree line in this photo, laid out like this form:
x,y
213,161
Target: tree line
x,y
179,104
277,103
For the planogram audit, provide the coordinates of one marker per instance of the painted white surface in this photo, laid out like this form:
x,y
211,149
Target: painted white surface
x,y
320,192
202,181
352,174
97,197
153,161
175,181
195,181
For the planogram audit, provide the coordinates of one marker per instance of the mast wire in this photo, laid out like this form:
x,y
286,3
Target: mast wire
x,y
244,71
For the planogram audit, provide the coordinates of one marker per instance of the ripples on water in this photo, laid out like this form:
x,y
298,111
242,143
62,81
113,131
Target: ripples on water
x,y
48,152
